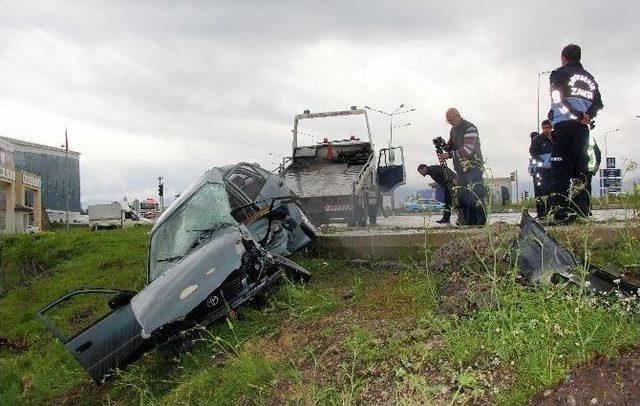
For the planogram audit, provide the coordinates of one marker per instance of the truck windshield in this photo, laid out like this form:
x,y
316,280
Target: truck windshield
x,y
314,130
204,213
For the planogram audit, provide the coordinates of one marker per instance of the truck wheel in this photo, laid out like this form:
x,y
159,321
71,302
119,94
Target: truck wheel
x,y
373,214
362,212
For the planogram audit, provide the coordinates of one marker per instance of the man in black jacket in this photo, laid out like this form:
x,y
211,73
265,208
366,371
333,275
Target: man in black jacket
x,y
540,167
594,157
444,177
575,101
464,148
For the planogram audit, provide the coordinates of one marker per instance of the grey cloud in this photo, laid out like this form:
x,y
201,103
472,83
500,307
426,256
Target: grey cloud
x,y
224,79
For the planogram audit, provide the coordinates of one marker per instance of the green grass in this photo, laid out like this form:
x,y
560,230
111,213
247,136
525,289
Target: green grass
x,y
71,260
313,344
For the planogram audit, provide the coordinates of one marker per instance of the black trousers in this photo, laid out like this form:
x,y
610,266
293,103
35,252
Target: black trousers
x,y
438,174
471,198
542,190
569,163
470,193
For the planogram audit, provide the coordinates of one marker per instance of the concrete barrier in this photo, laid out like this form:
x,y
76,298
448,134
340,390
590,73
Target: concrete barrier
x,y
389,244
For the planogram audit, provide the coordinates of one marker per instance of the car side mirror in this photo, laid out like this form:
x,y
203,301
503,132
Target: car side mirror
x,y
121,298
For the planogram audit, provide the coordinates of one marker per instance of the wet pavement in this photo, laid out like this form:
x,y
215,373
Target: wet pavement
x,y
408,222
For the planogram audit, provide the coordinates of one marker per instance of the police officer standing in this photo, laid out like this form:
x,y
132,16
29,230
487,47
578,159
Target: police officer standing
x,y
575,101
540,167
464,147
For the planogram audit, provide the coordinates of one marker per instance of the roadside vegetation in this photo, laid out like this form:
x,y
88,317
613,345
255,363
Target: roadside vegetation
x,y
448,326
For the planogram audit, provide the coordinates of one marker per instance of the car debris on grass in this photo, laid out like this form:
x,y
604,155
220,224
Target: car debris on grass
x,y
540,258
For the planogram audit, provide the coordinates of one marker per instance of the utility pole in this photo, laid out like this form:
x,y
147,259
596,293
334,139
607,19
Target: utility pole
x,y
66,178
396,112
538,116
161,192
517,189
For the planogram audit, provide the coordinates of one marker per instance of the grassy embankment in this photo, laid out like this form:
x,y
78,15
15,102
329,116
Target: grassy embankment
x,y
447,326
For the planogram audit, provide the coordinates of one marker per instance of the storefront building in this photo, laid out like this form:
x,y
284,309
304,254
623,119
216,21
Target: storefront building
x,y
20,195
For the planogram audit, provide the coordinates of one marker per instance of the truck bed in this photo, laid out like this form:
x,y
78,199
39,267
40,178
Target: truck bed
x,y
319,179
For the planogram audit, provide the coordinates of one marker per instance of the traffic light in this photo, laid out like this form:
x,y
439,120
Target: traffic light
x,y
161,190
526,195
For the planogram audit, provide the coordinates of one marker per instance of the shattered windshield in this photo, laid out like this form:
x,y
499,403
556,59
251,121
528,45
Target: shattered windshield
x,y
204,213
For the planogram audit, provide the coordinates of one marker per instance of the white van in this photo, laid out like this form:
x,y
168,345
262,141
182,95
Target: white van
x,y
114,215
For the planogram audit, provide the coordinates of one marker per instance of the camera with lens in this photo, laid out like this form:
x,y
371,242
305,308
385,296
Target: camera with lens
x,y
441,145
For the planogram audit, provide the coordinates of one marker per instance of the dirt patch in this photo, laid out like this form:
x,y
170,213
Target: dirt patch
x,y
14,346
465,254
603,381
111,263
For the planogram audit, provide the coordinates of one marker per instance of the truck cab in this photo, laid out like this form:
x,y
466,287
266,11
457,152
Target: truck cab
x,y
340,179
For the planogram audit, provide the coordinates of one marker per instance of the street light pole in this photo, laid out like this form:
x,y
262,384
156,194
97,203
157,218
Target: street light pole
x,y
606,154
538,116
396,112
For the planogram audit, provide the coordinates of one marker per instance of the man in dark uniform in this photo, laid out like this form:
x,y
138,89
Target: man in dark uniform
x,y
594,157
575,101
444,177
540,167
464,148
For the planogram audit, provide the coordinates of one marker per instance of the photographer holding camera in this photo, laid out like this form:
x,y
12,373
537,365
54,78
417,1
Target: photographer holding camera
x,y
464,148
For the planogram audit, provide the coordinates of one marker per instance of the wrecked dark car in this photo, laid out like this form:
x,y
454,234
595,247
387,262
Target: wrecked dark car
x,y
219,245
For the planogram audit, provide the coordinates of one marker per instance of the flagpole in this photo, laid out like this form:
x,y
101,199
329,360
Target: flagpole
x,y
66,177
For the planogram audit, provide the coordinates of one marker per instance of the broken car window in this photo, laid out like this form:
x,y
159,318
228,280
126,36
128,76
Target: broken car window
x,y
201,215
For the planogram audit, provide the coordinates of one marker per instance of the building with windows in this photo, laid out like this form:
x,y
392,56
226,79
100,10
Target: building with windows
x,y
20,195
50,164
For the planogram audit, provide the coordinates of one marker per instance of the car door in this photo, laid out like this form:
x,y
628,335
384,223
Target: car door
x,y
98,327
391,172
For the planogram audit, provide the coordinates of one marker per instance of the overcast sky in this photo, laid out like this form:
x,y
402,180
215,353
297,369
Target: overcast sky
x,y
171,89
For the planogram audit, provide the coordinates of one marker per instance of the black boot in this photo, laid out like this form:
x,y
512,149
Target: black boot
x,y
446,217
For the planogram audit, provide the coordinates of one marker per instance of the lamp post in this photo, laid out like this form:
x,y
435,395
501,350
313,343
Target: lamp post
x,y
606,154
538,116
396,112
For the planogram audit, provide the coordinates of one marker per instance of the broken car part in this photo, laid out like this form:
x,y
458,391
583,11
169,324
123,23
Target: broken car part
x,y
541,259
